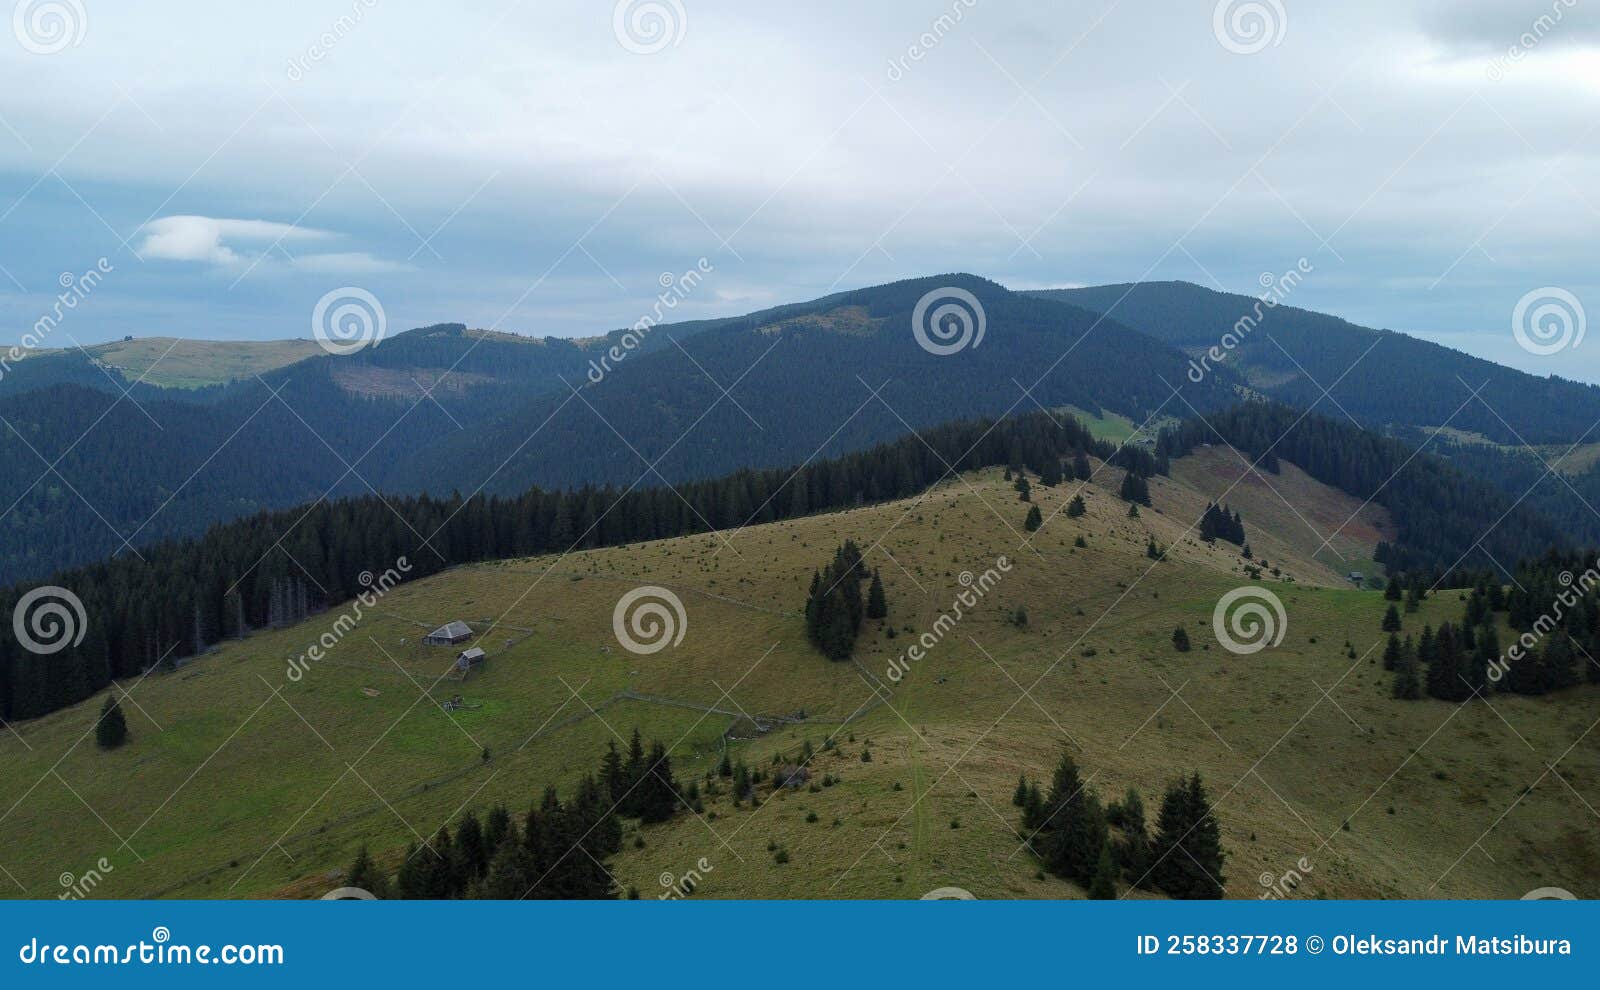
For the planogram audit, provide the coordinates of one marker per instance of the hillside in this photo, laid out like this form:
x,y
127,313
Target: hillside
x,y
250,783
444,408
1382,378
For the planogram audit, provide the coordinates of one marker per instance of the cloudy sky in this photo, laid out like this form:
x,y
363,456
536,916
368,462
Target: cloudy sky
x,y
536,166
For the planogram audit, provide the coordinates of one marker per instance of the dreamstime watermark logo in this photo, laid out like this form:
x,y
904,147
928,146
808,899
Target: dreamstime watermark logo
x,y
1529,39
159,951
76,888
948,320
1549,894
653,613
677,888
674,290
930,39
75,288
1277,289
347,320
645,27
48,620
1246,27
349,894
1276,887
1548,320
1563,603
45,27
324,45
950,894
376,587
1254,615
975,587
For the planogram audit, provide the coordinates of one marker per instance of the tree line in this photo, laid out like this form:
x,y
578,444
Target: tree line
x,y
557,851
1552,609
1103,847
1446,520
186,595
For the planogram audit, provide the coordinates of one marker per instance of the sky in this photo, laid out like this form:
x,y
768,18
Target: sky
x,y
542,167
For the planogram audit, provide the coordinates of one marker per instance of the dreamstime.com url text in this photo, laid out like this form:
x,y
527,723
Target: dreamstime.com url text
x,y
160,951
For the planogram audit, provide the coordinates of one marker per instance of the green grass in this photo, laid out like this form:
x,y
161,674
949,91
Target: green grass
x,y
169,363
230,789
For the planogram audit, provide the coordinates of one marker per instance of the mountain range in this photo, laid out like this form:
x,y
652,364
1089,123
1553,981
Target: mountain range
x,y
446,409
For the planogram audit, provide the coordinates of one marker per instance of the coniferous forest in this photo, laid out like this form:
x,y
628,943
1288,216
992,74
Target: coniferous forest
x,y
275,568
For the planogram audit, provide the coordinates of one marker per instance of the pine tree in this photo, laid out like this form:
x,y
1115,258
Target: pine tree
x,y
365,875
1180,639
1077,839
1135,489
1391,620
1075,507
1020,796
1392,592
471,852
111,730
1034,521
1133,850
613,775
1080,466
1391,653
1407,687
1103,886
1445,673
1188,844
877,604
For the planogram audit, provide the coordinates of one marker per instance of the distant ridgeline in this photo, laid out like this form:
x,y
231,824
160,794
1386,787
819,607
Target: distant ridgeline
x,y
186,595
1447,521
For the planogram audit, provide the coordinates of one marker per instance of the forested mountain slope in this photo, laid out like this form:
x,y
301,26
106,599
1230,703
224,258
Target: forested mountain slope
x,y
445,409
1292,354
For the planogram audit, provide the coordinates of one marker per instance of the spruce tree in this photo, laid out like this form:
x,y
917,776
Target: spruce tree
x,y
365,875
1188,845
1103,886
471,852
111,730
1075,507
1019,797
1080,466
877,604
1392,592
1391,653
1391,620
1034,521
1407,687
1180,639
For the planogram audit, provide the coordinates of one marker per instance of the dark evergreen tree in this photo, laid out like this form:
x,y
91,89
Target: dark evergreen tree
x,y
1391,620
365,875
1103,885
111,730
1188,845
1180,639
1135,489
1407,686
877,604
1034,521
1075,507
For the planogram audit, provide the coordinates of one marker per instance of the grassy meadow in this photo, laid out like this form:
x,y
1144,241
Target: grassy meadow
x,y
242,782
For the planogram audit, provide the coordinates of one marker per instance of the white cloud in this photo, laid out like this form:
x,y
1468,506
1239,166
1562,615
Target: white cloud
x,y
229,243
192,238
